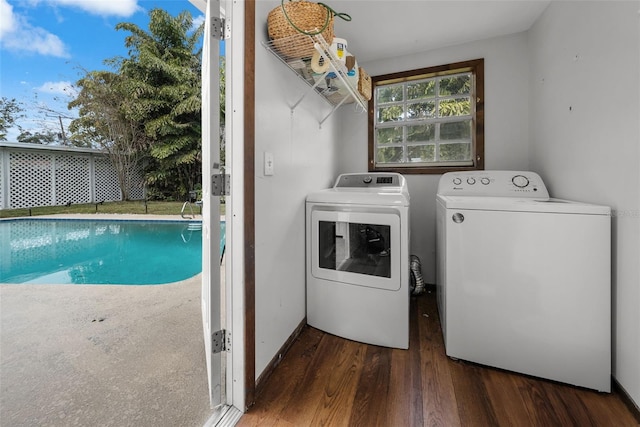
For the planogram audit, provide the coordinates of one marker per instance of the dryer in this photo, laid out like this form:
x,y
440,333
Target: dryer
x,y
358,259
524,280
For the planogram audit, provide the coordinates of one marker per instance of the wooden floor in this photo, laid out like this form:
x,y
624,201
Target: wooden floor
x,y
328,381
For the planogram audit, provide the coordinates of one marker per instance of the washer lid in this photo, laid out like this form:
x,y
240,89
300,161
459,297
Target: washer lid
x,y
513,204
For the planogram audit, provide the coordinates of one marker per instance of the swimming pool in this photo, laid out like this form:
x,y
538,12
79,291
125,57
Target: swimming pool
x,y
130,252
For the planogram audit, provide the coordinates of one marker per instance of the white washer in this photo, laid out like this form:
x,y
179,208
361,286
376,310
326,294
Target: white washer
x,y
358,259
524,281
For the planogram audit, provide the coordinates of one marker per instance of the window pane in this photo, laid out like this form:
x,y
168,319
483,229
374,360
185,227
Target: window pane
x,y
421,153
390,114
421,133
454,107
455,130
421,90
428,119
392,93
450,152
421,110
455,85
389,135
389,155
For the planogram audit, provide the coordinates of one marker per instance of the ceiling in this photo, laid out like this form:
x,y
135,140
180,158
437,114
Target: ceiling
x,y
385,29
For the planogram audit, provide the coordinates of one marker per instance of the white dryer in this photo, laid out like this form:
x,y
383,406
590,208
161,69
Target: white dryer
x,y
523,280
358,259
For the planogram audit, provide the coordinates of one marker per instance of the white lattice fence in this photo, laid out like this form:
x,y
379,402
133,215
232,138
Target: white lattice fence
x,y
72,176
46,176
136,192
30,179
106,181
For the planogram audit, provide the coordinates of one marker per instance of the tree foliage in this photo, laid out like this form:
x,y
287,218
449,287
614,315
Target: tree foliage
x,y
150,105
105,118
40,137
162,76
10,111
35,122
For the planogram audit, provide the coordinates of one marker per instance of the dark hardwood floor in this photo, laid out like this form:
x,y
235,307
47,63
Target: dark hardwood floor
x,y
330,381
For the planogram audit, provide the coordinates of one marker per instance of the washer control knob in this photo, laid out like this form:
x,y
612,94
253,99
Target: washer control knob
x,y
457,181
457,217
485,181
367,180
471,181
520,181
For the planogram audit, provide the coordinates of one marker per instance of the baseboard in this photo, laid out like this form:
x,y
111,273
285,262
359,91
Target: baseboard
x,y
278,357
633,406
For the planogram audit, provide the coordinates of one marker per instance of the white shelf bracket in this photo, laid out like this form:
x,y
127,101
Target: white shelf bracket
x,y
311,88
333,110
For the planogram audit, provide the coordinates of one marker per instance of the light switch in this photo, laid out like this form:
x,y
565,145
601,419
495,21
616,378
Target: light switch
x,y
268,163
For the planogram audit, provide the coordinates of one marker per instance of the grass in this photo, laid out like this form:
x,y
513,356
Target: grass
x,y
132,207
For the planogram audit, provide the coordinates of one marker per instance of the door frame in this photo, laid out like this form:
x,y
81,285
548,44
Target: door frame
x,y
248,169
240,214
239,290
211,299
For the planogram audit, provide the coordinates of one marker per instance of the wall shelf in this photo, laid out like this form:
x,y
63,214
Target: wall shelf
x,y
334,85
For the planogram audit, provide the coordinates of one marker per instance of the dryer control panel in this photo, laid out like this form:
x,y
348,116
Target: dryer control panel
x,y
372,179
521,184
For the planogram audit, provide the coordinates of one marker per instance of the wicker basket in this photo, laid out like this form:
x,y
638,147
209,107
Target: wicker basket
x,y
364,84
308,17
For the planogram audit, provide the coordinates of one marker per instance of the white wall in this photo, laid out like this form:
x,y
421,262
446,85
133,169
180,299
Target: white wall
x,y
305,161
506,126
585,139
528,125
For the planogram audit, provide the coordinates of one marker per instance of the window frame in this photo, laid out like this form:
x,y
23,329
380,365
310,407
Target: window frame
x,y
476,67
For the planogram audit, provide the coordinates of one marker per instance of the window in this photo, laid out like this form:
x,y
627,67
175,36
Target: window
x,y
429,120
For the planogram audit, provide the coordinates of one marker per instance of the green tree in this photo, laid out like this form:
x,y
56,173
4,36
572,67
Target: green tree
x,y
10,111
105,119
162,77
45,137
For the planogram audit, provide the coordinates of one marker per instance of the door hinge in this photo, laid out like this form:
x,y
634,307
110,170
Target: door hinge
x,y
220,185
217,28
220,341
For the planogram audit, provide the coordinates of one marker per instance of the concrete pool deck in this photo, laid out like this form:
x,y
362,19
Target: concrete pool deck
x,y
108,355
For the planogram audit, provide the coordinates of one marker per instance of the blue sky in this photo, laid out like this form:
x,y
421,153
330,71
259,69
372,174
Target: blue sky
x,y
46,44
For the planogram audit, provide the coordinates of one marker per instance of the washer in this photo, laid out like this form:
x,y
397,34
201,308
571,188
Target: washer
x,y
358,259
524,280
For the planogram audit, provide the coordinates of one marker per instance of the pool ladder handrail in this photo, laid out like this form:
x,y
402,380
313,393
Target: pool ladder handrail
x,y
192,198
184,205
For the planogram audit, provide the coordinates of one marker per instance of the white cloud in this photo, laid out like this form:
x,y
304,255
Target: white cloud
x,y
36,40
7,19
197,21
18,35
122,8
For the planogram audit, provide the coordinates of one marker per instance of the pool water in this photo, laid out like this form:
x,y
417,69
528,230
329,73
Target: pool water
x,y
99,251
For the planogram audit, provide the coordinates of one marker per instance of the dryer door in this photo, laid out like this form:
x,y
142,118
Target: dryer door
x,y
358,248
